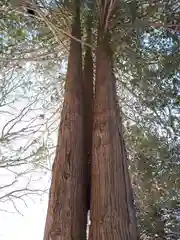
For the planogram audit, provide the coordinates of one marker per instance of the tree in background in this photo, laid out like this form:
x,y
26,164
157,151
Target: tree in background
x,y
28,109
155,172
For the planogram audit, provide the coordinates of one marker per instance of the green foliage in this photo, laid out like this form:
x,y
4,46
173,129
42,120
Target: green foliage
x,y
155,171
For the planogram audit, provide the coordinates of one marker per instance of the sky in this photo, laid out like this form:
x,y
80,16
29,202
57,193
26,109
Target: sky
x,y
29,219
30,226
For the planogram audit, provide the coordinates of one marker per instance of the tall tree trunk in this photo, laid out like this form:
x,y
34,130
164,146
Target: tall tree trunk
x,y
67,210
112,209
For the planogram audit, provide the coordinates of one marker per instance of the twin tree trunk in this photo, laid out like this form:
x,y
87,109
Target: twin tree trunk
x,y
112,207
111,202
68,205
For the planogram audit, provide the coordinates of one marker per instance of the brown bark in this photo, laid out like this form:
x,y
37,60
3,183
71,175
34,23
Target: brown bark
x,y
67,209
112,210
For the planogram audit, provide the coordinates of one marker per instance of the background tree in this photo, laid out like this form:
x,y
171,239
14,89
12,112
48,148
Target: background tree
x,y
28,108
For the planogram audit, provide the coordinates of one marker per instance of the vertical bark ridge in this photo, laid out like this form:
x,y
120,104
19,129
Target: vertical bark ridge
x,y
67,208
110,190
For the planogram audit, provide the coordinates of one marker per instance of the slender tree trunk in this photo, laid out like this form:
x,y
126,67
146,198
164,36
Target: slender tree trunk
x,y
112,210
67,210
